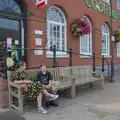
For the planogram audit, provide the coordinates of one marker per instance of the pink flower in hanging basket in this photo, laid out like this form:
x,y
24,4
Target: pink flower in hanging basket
x,y
80,27
87,29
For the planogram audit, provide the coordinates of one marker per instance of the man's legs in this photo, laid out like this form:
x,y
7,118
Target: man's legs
x,y
39,100
49,102
53,102
49,95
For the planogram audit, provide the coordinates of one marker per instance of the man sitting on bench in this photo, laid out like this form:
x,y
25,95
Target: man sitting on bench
x,y
45,78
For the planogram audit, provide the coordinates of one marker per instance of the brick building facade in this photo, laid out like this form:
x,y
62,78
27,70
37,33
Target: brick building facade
x,y
100,24
29,27
52,23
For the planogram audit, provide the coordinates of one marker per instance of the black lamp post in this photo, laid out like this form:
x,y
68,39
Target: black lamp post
x,y
112,50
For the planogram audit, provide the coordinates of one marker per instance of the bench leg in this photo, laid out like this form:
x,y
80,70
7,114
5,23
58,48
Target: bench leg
x,y
91,85
20,101
10,97
102,80
102,83
73,91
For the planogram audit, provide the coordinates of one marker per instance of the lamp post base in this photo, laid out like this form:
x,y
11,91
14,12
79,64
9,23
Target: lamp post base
x,y
112,80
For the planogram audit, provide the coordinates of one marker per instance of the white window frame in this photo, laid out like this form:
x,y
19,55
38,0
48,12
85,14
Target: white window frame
x,y
58,53
106,1
118,49
107,40
118,4
89,42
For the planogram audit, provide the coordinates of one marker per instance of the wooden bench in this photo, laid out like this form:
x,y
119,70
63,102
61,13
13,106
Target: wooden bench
x,y
61,82
83,75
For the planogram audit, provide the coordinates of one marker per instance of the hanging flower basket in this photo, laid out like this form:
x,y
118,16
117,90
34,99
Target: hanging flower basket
x,y
80,27
117,35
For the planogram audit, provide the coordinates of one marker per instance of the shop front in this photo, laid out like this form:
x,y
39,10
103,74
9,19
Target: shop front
x,y
11,25
11,34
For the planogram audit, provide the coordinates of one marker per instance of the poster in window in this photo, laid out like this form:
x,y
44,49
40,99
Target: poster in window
x,y
9,43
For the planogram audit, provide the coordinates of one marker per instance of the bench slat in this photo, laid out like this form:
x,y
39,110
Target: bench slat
x,y
17,108
14,95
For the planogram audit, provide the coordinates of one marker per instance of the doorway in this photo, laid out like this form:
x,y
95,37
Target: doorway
x,y
10,29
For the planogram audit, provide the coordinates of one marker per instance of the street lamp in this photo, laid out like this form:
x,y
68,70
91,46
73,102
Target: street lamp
x,y
112,39
112,50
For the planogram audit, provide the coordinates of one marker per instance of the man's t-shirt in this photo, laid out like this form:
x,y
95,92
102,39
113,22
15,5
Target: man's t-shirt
x,y
44,78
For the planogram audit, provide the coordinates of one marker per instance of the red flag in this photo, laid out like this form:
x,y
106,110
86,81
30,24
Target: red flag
x,y
40,3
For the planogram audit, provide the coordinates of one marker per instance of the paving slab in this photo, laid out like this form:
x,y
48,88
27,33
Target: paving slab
x,y
111,117
10,115
99,113
78,116
113,108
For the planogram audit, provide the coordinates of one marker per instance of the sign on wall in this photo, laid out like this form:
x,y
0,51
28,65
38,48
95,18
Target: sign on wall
x,y
102,7
38,52
40,3
38,41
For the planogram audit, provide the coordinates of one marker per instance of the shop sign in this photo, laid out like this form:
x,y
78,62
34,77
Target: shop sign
x,y
102,8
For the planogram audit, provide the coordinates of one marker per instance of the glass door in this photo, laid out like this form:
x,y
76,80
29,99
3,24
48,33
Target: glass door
x,y
10,29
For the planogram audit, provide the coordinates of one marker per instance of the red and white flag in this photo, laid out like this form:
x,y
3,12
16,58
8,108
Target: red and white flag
x,y
40,3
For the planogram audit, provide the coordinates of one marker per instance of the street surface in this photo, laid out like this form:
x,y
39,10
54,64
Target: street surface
x,y
89,104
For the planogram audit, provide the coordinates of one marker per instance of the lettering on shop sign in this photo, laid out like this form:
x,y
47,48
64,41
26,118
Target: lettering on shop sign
x,y
103,8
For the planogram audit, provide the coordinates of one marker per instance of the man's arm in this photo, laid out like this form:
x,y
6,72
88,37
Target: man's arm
x,y
50,79
38,77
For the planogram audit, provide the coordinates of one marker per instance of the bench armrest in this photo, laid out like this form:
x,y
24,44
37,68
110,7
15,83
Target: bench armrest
x,y
15,85
102,75
67,77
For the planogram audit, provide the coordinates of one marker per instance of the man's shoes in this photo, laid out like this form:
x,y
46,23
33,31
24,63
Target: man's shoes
x,y
42,110
53,103
53,97
48,104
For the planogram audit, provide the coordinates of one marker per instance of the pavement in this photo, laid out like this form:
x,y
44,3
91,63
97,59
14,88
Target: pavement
x,y
89,104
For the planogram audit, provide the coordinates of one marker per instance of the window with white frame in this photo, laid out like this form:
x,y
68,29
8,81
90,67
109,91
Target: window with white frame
x,y
118,49
106,1
86,42
118,4
56,29
105,40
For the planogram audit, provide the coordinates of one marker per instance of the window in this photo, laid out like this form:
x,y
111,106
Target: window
x,y
10,6
118,49
106,1
56,29
118,4
105,40
9,25
86,42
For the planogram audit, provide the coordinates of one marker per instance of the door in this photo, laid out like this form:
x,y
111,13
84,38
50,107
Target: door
x,y
10,29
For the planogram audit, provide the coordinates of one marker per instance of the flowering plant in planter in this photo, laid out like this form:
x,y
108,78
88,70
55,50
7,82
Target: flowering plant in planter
x,y
117,35
80,27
